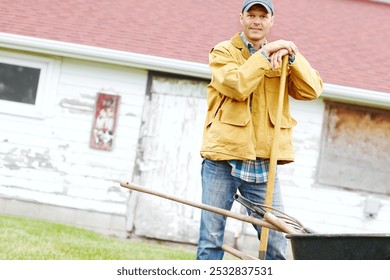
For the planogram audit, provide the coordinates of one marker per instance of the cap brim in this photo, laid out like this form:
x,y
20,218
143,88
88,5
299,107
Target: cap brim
x,y
257,3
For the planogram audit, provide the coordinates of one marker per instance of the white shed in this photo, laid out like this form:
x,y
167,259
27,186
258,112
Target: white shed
x,y
48,168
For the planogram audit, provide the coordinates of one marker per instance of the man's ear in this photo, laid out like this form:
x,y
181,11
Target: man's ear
x,y
272,20
241,17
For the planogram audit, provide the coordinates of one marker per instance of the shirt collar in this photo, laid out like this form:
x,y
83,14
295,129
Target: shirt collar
x,y
250,45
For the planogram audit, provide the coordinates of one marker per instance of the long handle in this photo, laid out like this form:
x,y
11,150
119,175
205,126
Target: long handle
x,y
274,156
237,253
206,207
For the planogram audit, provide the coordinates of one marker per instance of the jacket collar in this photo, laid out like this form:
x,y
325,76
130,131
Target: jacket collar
x,y
239,44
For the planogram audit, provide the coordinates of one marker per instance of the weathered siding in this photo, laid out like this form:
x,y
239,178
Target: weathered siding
x,y
49,160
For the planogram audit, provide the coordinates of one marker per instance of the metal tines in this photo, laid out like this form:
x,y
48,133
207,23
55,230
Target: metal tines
x,y
257,209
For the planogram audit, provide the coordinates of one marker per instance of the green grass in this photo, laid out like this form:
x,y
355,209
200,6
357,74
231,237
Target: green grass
x,y
30,239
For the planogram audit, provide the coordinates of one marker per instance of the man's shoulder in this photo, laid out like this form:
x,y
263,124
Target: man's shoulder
x,y
234,42
223,45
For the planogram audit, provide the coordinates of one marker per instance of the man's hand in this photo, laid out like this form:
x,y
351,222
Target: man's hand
x,y
277,49
276,58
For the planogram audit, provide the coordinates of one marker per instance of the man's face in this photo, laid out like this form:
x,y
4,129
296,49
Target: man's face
x,y
256,23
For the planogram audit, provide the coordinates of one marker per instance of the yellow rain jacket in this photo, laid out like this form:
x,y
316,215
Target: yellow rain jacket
x,y
242,102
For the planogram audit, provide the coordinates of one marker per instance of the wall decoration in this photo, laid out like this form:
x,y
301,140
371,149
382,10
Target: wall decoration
x,y
104,124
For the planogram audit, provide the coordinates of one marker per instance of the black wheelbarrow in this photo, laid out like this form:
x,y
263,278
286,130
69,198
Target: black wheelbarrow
x,y
309,245
340,246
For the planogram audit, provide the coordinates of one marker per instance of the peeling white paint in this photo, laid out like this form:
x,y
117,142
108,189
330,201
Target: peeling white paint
x,y
49,161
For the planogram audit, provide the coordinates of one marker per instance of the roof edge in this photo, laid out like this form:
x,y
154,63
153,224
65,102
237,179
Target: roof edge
x,y
357,96
156,63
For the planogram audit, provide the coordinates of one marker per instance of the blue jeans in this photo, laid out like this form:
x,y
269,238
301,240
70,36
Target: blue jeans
x,y
218,189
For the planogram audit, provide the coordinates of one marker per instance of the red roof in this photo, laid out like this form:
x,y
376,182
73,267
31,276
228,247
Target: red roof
x,y
346,40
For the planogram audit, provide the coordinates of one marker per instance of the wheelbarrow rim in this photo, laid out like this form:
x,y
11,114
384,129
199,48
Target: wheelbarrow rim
x,y
338,235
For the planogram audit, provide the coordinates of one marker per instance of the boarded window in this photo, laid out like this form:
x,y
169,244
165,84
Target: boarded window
x,y
18,83
355,152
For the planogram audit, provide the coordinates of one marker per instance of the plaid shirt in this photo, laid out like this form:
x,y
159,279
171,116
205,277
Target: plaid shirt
x,y
250,46
252,171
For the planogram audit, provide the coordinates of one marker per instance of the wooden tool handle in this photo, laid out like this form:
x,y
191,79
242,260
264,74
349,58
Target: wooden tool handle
x,y
274,155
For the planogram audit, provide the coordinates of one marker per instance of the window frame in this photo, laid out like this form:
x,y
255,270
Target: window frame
x,y
47,84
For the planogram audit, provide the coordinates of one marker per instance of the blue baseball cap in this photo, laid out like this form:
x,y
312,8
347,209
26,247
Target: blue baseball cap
x,y
265,3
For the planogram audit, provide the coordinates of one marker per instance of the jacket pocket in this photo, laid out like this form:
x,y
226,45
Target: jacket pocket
x,y
287,120
231,128
234,118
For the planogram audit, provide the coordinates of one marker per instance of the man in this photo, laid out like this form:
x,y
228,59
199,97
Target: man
x,y
242,104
